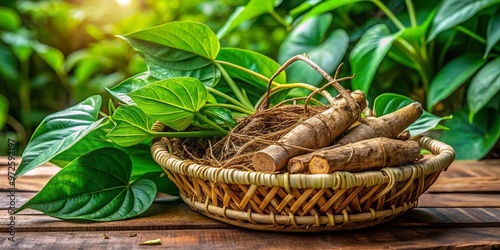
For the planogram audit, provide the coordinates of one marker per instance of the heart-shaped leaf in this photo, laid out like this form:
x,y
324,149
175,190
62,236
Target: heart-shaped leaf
x,y
252,9
140,154
367,54
388,103
60,131
325,49
452,76
129,85
178,49
453,12
483,87
472,141
95,187
133,126
238,63
493,35
172,101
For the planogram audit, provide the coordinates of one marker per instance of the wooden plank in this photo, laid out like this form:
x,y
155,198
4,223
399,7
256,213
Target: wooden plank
x,y
448,217
171,214
483,168
466,185
33,180
459,200
166,216
410,238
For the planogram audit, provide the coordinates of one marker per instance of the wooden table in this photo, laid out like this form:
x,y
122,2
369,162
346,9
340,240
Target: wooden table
x,y
461,210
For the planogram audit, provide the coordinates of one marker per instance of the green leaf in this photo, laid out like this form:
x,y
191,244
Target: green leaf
x,y
93,140
493,33
8,64
121,90
60,131
140,154
95,187
251,10
163,184
172,101
472,141
221,115
303,7
20,43
178,49
10,19
250,61
53,57
368,53
4,110
133,126
452,76
327,6
325,49
388,103
483,87
453,12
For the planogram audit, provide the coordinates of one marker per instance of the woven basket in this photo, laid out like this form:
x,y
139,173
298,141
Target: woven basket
x,y
303,202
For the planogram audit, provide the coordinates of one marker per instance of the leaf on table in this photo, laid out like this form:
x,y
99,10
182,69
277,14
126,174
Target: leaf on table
x,y
133,126
368,53
483,87
172,101
129,85
311,37
95,187
453,12
151,242
388,103
59,132
472,141
251,10
452,76
178,49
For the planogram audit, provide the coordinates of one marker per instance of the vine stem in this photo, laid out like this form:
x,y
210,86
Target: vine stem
x,y
227,97
229,106
250,72
234,88
280,20
211,123
333,81
411,13
389,14
185,134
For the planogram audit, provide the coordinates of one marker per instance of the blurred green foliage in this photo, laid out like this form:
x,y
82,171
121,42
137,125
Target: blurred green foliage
x,y
53,54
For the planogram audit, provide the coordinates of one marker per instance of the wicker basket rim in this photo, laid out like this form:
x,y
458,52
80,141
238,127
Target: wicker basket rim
x,y
444,156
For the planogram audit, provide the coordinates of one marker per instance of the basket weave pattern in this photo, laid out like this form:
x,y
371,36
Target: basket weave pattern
x,y
303,202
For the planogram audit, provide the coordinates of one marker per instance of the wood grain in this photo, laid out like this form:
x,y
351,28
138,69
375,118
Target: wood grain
x,y
371,238
460,211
